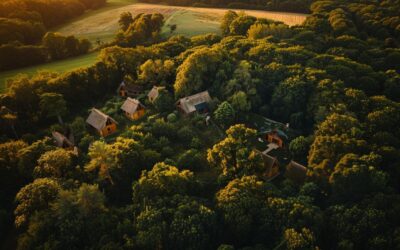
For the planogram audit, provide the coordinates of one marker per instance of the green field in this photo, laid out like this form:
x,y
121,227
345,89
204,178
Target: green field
x,y
57,66
102,25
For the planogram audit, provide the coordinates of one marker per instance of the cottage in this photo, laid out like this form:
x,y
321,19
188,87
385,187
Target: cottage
x,y
133,109
271,165
130,90
277,137
154,93
296,172
195,103
62,141
103,123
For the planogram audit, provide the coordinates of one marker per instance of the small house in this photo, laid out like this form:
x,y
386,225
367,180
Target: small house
x,y
271,165
62,141
277,137
154,93
103,123
133,109
130,90
195,103
296,172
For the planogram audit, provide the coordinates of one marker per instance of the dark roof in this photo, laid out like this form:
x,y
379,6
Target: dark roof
x,y
131,87
98,119
131,105
60,139
296,172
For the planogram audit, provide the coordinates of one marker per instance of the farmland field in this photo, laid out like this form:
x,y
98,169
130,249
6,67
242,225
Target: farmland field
x,y
101,26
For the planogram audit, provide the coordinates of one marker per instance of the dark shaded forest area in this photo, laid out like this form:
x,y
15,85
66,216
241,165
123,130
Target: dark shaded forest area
x,y
170,178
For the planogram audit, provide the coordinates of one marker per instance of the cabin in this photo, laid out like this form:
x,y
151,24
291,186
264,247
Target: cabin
x,y
133,109
277,137
103,123
62,141
130,90
195,103
271,165
154,93
296,172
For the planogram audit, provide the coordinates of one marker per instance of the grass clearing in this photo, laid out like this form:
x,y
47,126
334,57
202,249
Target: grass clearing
x,y
102,24
57,66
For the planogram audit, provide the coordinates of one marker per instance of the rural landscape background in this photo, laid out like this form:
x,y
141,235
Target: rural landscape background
x,y
199,124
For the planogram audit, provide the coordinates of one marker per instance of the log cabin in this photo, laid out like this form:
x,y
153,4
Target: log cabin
x,y
133,109
103,123
195,103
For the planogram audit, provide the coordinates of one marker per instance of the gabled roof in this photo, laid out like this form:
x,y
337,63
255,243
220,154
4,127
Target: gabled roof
x,y
131,105
98,119
153,94
130,87
296,172
60,139
188,104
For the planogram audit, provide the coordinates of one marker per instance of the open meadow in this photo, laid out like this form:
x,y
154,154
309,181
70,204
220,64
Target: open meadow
x,y
100,26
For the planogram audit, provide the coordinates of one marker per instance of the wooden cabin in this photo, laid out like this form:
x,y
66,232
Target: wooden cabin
x,y
195,103
133,109
154,93
62,141
130,90
103,123
276,136
296,172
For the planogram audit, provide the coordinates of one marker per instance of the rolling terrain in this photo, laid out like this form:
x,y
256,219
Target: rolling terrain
x,y
100,26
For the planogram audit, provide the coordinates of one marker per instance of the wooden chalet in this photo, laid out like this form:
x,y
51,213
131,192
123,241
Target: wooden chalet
x,y
154,92
276,136
296,172
103,123
130,90
195,103
271,165
133,109
62,141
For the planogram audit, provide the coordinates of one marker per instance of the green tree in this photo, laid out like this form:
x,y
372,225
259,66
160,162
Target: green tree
x,y
228,18
56,163
224,114
34,197
53,105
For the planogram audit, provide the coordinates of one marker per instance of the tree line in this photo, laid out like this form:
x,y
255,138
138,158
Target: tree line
x,y
23,25
169,182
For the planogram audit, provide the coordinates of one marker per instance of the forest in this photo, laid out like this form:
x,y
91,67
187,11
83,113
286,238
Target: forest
x,y
24,25
266,137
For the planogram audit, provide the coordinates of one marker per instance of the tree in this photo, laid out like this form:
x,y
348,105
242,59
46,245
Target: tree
x,y
227,19
56,163
163,180
241,203
34,197
234,154
240,101
156,72
299,148
299,240
224,114
53,105
125,20
102,160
